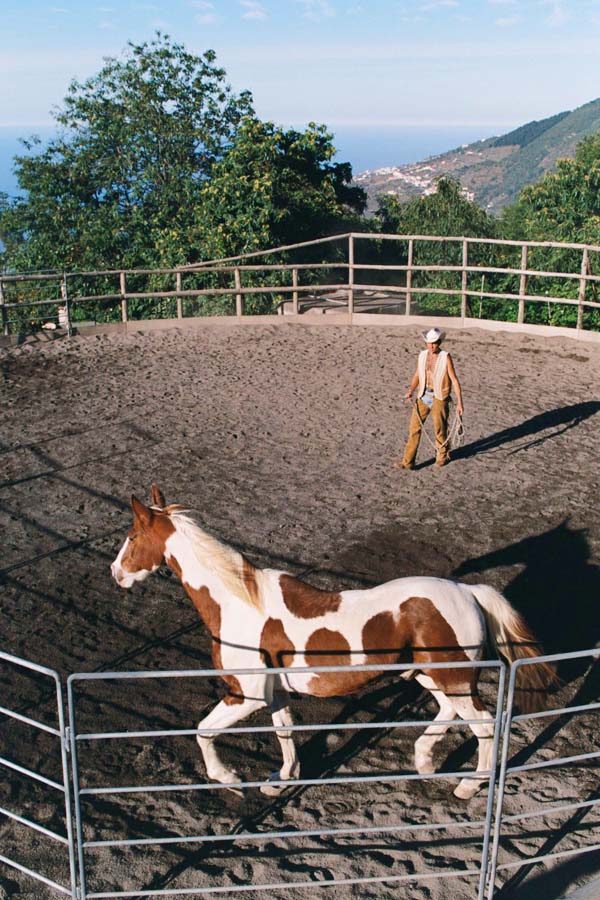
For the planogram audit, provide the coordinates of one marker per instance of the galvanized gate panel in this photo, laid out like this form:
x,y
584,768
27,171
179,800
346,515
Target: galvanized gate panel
x,y
56,788
95,837
503,818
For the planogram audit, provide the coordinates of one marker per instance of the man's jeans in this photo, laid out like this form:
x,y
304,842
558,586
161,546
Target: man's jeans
x,y
439,413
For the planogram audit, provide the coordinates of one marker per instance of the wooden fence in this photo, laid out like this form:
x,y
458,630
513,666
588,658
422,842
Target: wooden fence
x,y
356,272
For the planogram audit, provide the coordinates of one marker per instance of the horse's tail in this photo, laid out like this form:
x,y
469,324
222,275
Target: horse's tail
x,y
512,638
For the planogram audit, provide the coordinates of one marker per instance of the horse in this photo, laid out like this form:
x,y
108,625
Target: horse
x,y
263,619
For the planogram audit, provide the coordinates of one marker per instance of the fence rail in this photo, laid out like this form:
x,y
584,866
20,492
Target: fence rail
x,y
85,847
479,269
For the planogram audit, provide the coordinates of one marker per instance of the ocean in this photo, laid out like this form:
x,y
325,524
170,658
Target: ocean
x,y
363,147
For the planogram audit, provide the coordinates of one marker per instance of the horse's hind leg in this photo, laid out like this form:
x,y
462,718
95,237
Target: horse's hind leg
x,y
282,719
433,733
471,707
224,715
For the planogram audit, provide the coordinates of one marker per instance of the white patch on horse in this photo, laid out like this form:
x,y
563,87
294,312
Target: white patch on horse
x,y
128,579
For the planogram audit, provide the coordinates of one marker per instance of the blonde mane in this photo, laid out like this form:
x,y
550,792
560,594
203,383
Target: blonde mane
x,y
238,575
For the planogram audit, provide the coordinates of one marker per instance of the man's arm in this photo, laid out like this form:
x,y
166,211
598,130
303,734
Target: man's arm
x,y
456,385
413,384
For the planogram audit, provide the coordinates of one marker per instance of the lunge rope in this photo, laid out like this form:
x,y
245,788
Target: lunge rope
x,y
456,431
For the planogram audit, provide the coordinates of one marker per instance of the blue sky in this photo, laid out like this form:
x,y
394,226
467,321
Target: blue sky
x,y
488,63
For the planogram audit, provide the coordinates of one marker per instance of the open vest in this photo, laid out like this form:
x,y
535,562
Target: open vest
x,y
441,380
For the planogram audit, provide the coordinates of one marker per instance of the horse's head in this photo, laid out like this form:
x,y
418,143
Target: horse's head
x,y
144,548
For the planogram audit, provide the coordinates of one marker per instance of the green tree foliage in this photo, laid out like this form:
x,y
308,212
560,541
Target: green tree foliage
x,y
158,164
562,206
276,187
446,212
119,186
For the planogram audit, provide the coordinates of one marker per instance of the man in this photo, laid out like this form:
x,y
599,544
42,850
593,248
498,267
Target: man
x,y
434,379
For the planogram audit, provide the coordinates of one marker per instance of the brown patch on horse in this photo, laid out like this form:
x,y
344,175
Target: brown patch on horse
x,y
327,648
432,639
210,613
417,634
276,648
249,577
330,648
305,601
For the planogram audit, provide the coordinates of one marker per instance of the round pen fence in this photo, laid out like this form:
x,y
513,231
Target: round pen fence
x,y
116,826
359,278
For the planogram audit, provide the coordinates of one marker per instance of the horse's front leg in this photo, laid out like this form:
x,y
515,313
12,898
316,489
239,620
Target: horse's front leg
x,y
282,719
224,715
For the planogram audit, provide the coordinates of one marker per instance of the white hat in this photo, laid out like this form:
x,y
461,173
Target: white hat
x,y
433,335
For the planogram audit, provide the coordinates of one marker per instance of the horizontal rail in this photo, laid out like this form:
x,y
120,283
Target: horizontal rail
x,y
36,875
267,729
550,811
29,773
280,670
278,782
283,885
281,835
556,711
532,860
11,714
36,827
557,761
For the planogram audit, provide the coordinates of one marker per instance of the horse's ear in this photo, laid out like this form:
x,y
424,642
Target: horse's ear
x,y
141,513
158,498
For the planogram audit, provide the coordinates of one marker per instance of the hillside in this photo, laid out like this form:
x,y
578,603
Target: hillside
x,y
493,171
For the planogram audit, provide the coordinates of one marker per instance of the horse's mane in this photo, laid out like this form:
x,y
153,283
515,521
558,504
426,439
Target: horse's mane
x,y
239,576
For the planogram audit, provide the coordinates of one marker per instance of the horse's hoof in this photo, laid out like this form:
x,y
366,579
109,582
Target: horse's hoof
x,y
467,788
273,790
230,779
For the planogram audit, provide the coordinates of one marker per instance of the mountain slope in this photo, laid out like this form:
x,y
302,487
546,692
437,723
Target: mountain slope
x,y
492,172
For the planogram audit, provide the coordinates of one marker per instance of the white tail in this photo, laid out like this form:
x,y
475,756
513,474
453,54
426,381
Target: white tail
x,y
512,638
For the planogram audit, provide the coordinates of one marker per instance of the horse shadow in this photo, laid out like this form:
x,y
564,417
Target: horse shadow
x,y
563,418
556,591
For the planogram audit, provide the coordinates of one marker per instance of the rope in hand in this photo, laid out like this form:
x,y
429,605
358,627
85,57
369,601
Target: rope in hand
x,y
456,431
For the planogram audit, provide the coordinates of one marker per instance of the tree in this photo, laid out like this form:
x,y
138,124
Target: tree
x,y
276,187
120,184
446,212
564,205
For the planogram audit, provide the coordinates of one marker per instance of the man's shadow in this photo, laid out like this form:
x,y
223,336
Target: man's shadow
x,y
557,591
563,419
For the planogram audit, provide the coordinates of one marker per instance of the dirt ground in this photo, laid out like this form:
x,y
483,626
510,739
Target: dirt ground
x,y
281,439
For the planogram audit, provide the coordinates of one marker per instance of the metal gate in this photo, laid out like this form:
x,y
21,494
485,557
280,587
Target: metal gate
x,y
64,841
503,821
84,845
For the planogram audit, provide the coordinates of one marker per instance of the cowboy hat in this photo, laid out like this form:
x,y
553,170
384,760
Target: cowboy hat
x,y
433,335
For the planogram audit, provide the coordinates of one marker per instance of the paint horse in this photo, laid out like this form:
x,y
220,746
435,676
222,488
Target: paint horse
x,y
263,619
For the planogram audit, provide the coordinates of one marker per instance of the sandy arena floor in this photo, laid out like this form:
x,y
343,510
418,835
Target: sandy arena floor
x,y
282,438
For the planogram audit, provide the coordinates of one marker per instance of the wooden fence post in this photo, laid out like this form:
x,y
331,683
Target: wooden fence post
x,y
179,298
3,310
295,291
582,287
350,276
523,284
239,297
411,248
464,281
65,298
123,283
